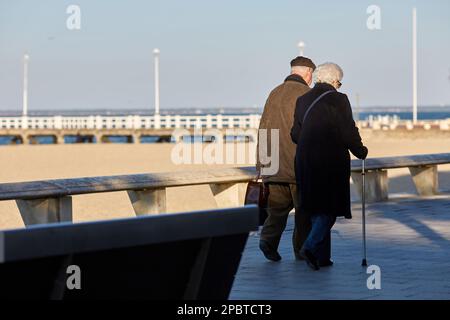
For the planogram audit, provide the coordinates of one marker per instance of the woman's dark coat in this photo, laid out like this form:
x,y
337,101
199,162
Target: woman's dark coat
x,y
322,161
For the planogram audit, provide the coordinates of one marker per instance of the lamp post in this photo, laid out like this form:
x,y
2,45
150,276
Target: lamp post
x,y
414,62
301,47
26,59
156,53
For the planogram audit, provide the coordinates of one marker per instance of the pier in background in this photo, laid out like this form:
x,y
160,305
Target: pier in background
x,y
160,128
130,128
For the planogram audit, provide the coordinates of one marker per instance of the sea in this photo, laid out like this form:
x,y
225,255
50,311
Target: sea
x,y
429,113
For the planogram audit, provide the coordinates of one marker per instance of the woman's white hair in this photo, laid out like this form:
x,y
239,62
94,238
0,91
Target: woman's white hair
x,y
328,72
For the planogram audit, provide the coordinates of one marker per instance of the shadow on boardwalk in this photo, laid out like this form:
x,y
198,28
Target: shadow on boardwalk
x,y
409,239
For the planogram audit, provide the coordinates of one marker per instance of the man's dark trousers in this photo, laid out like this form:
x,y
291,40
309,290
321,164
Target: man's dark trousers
x,y
283,197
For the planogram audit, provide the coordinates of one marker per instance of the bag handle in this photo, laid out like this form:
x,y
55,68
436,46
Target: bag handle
x,y
258,176
314,102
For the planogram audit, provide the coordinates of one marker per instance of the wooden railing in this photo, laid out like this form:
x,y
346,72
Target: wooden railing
x,y
51,200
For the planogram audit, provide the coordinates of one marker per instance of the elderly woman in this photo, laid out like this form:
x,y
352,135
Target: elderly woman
x,y
324,132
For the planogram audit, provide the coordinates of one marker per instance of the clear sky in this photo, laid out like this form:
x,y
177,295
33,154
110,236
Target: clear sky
x,y
216,53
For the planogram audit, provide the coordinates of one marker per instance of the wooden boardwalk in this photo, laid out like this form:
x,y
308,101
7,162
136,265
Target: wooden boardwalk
x,y
408,238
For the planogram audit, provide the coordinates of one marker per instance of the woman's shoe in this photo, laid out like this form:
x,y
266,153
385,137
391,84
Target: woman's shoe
x,y
311,261
327,263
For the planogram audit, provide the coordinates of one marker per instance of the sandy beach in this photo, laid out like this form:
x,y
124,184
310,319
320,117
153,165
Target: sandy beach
x,y
39,162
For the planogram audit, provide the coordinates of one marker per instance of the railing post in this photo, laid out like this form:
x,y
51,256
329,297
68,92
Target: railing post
x,y
157,121
147,202
208,121
219,120
425,179
50,210
376,185
57,122
229,194
98,122
177,121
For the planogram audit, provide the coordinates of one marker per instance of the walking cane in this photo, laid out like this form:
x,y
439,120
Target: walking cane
x,y
363,200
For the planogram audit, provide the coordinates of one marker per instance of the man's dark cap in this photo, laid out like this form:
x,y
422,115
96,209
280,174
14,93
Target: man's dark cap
x,y
303,62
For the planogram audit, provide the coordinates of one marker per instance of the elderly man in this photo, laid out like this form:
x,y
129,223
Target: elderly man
x,y
279,114
324,132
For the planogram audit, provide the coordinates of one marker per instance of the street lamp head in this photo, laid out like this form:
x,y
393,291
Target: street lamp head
x,y
156,51
301,47
26,57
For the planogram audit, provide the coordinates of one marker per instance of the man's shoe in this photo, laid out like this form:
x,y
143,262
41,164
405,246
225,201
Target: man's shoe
x,y
327,263
311,261
269,253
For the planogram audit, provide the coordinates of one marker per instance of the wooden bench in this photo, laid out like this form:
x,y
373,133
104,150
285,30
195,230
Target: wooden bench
x,y
192,255
423,169
51,200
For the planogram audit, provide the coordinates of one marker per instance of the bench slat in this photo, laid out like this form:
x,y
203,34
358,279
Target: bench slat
x,y
66,187
402,161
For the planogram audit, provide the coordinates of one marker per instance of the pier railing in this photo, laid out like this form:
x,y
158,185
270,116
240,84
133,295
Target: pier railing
x,y
386,122
51,200
208,121
131,128
98,122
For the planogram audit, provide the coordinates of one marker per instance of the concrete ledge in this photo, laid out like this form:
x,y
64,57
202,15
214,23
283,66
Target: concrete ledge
x,y
425,179
377,183
41,211
146,202
229,194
